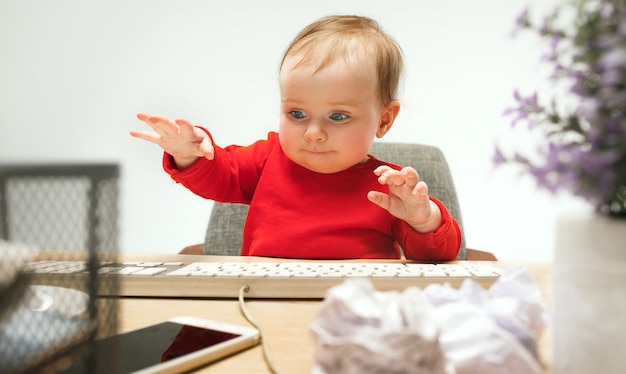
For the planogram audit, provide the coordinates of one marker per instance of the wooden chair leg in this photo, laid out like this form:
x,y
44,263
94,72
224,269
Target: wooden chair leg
x,y
196,249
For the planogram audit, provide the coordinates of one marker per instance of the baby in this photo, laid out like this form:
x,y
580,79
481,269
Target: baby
x,y
313,189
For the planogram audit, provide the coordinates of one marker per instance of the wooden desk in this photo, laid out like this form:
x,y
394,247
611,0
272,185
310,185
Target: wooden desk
x,y
285,324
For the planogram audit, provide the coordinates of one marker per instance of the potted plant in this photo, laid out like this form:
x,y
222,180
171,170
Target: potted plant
x,y
583,151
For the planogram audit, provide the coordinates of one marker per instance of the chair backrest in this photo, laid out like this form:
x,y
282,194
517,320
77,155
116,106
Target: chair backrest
x,y
224,233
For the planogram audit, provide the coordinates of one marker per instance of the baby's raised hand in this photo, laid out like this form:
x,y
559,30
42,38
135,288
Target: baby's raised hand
x,y
408,199
185,142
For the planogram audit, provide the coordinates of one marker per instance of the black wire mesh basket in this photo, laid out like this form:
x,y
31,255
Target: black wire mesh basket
x,y
52,215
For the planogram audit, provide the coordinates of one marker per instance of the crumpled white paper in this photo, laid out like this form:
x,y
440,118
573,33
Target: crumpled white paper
x,y
435,330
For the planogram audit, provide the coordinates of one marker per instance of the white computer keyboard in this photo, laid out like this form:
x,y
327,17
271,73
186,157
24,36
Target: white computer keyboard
x,y
288,279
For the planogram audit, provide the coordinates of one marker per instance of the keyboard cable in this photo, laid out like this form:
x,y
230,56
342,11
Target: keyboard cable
x,y
266,351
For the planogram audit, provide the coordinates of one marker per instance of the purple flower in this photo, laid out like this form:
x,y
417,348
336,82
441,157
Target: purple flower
x,y
498,157
521,22
588,109
553,53
613,59
585,150
527,106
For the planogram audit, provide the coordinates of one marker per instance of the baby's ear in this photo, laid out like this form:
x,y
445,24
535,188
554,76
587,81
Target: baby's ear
x,y
387,117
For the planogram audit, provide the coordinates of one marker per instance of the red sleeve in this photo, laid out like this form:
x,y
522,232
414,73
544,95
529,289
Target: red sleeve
x,y
231,176
441,245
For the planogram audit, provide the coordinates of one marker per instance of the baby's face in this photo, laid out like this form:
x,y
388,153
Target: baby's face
x,y
329,118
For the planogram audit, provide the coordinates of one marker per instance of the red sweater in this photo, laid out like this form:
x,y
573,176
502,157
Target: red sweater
x,y
298,213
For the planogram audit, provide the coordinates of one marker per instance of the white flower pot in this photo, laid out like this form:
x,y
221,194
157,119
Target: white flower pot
x,y
589,314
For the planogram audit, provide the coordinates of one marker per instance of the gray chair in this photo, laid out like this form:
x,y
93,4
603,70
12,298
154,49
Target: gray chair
x,y
224,233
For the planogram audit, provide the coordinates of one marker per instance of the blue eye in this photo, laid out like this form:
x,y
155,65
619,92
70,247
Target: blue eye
x,y
338,117
297,114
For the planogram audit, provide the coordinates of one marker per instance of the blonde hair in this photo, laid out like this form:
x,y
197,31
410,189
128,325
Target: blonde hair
x,y
328,39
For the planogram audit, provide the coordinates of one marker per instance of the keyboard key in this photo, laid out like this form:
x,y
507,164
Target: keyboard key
x,y
126,270
149,271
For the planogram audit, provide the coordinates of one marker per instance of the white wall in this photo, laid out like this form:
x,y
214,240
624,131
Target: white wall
x,y
73,73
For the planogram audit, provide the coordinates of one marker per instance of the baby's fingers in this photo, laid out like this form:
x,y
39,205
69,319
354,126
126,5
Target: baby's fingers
x,y
150,136
185,127
407,176
382,169
162,125
387,175
380,199
143,116
421,189
411,177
